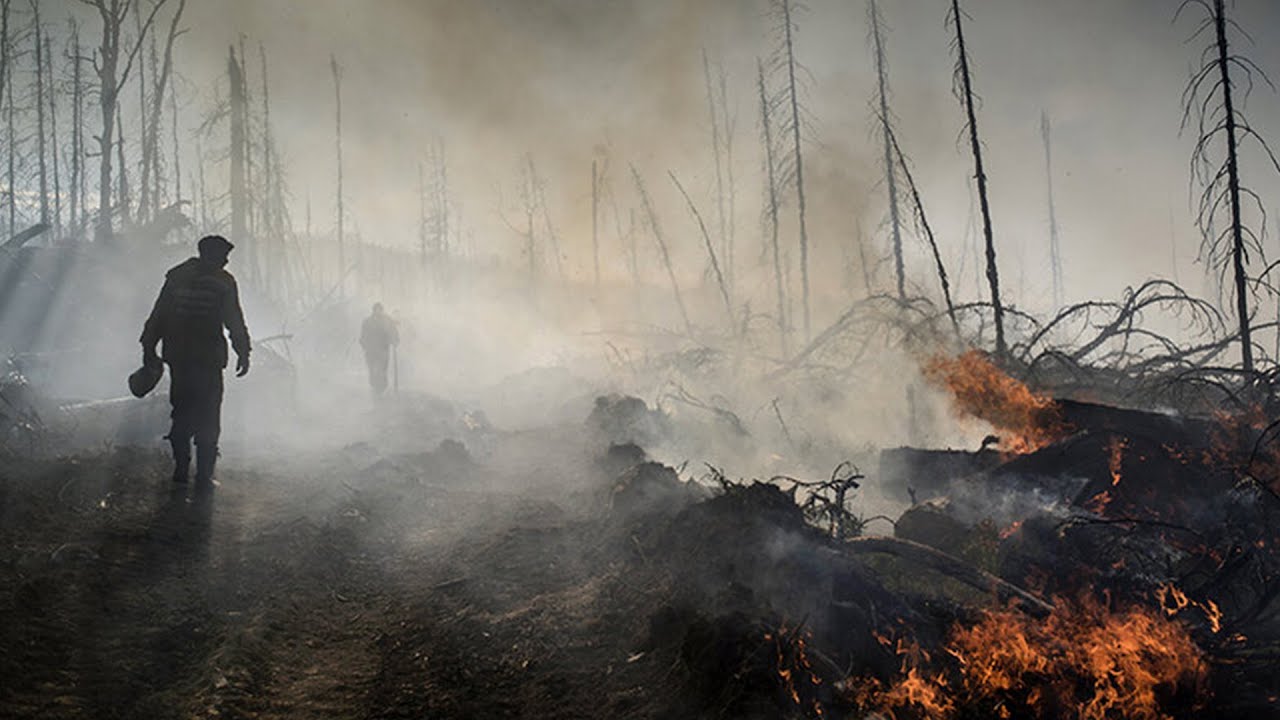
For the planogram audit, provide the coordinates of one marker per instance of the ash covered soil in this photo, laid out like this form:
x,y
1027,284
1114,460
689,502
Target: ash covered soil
x,y
454,570
350,583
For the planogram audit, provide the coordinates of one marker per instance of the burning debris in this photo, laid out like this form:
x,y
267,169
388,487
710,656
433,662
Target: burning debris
x,y
1106,563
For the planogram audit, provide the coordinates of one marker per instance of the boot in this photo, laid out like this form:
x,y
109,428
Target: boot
x,y
181,459
206,459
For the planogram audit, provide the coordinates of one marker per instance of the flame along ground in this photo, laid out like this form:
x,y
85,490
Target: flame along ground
x,y
1085,660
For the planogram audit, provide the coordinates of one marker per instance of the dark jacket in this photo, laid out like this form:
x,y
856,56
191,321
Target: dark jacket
x,y
197,301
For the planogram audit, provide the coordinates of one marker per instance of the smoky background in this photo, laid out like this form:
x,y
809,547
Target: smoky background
x,y
513,99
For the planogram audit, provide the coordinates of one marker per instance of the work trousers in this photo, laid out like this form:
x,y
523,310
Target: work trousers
x,y
195,392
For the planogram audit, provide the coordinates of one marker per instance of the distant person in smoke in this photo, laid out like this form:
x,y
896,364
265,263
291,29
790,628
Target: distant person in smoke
x,y
199,300
378,337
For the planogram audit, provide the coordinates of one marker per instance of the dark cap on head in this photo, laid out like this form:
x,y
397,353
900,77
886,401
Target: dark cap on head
x,y
214,246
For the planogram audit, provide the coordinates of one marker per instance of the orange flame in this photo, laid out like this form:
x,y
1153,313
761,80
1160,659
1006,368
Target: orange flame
x,y
1085,661
984,391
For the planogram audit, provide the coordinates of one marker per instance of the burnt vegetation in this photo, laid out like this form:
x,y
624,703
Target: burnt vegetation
x,y
730,492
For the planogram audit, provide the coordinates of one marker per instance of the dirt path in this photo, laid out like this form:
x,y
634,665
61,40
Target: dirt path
x,y
358,586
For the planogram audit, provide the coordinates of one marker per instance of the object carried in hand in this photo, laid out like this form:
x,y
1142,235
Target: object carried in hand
x,y
144,379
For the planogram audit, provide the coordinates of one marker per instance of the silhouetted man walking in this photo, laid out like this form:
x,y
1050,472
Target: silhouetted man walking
x,y
199,299
378,335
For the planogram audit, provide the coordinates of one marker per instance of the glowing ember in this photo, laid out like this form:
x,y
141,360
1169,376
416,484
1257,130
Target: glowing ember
x,y
794,667
1174,601
980,389
1098,503
1115,451
1084,661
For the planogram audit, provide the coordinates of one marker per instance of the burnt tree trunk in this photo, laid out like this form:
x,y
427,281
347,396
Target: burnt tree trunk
x,y
595,221
148,191
78,185
771,208
993,276
235,73
53,133
794,102
122,192
42,146
1233,188
6,73
1055,250
111,79
337,92
890,176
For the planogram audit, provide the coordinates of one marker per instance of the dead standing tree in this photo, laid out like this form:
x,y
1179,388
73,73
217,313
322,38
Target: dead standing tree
x,y
337,93
111,79
714,115
1211,98
538,187
964,90
53,133
1055,251
791,169
6,70
771,206
235,72
78,185
148,192
890,175
722,131
41,137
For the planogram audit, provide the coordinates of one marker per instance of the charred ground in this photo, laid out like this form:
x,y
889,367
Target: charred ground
x,y
504,582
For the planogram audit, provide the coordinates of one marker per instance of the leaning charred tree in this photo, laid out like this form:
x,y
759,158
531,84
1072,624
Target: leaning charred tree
x,y
711,252
1211,97
926,229
662,247
964,90
111,79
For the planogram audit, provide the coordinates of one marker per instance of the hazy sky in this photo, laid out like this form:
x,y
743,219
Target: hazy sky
x,y
563,79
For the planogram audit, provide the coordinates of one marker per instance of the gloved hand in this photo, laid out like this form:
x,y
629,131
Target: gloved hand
x,y
150,358
242,366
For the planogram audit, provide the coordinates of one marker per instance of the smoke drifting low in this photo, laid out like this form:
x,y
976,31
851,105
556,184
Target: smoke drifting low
x,y
505,106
